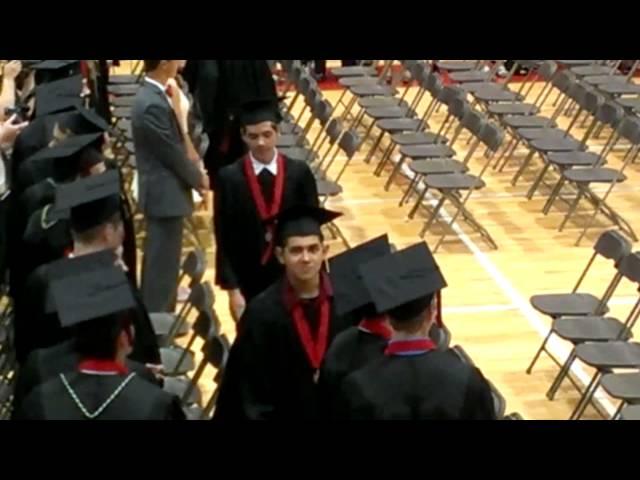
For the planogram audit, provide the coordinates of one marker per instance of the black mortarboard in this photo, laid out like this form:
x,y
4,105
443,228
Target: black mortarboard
x,y
258,111
91,295
402,277
85,121
52,70
67,155
74,266
58,96
301,221
348,287
91,200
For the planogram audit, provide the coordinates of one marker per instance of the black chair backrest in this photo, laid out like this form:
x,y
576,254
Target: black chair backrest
x,y
612,245
459,108
564,80
610,113
630,129
349,143
547,69
334,130
474,121
323,111
203,324
630,267
304,84
216,351
195,265
593,101
434,84
577,92
202,296
492,136
449,93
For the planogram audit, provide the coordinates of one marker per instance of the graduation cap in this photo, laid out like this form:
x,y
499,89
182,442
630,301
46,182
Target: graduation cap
x,y
91,295
349,290
58,96
403,277
74,266
85,121
91,200
67,157
259,110
301,221
52,70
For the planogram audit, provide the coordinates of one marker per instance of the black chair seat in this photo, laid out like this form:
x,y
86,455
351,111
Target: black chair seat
x,y
290,129
600,79
398,124
457,66
620,88
121,112
299,153
353,71
327,188
533,133
349,82
630,412
565,304
381,102
387,112
513,109
123,101
624,386
418,138
558,144
470,76
170,357
591,70
527,121
496,94
454,181
123,79
436,166
630,103
607,355
427,151
573,159
594,175
373,90
588,328
575,63
179,385
123,90
163,321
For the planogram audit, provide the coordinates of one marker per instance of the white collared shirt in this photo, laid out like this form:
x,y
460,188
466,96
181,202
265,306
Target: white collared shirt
x,y
160,86
272,166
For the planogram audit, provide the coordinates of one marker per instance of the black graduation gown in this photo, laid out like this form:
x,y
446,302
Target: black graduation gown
x,y
435,385
35,328
268,374
43,364
350,351
239,232
138,400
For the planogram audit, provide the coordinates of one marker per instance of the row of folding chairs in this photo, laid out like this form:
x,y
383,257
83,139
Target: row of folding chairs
x,y
597,340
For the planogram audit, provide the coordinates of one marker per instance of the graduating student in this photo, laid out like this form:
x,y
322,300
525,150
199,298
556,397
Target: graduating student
x,y
96,225
413,380
360,344
249,192
274,364
101,387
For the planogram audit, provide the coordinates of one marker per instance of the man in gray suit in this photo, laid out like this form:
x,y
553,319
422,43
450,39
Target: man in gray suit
x,y
166,178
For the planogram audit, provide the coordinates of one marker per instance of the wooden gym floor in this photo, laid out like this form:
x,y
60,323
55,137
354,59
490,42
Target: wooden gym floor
x,y
486,305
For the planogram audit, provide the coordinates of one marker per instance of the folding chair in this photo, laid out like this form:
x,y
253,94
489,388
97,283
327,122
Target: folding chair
x,y
333,133
410,66
177,360
206,327
630,412
194,266
579,330
611,246
359,86
582,178
216,353
451,185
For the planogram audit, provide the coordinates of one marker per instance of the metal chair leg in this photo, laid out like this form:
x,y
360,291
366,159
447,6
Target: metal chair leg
x,y
540,350
572,209
564,371
586,397
537,182
523,167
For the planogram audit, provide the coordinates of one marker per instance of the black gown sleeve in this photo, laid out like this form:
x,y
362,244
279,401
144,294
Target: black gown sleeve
x,y
223,211
308,188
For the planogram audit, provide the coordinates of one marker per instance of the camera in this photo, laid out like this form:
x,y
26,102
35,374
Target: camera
x,y
20,111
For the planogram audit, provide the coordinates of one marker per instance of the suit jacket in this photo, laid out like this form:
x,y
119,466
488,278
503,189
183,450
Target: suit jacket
x,y
165,174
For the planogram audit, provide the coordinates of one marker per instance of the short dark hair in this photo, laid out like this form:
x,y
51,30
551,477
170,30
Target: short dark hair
x,y
151,65
90,236
243,128
409,315
97,338
281,239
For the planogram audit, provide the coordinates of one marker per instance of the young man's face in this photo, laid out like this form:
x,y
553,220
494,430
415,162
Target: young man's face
x,y
114,234
303,256
261,140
